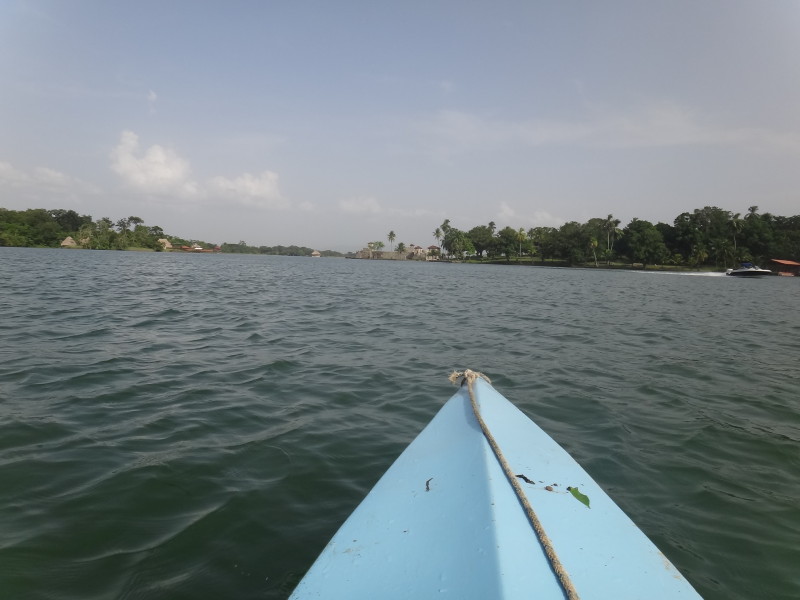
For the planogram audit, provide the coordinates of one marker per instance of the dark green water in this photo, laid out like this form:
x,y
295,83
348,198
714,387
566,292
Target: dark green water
x,y
198,426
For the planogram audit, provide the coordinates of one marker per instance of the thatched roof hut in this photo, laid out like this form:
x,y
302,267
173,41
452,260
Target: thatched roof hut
x,y
69,242
166,243
315,254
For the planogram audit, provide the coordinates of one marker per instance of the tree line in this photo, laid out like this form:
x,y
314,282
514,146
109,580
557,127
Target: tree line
x,y
42,228
38,227
243,248
705,237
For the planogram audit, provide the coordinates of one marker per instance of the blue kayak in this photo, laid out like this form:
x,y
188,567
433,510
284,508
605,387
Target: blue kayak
x,y
484,504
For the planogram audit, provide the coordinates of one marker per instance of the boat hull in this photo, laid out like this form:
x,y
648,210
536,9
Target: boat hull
x,y
445,521
748,269
749,273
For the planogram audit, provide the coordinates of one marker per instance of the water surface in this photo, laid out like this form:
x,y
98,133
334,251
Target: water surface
x,y
198,426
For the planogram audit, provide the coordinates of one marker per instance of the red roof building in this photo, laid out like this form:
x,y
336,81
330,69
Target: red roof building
x,y
787,268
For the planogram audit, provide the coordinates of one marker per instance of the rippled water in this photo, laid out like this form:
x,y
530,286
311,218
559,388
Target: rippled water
x,y
198,426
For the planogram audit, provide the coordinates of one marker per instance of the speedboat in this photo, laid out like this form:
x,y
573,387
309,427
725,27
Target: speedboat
x,y
748,270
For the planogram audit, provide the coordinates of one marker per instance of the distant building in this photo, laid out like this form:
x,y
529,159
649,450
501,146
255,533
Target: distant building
x,y
69,242
315,254
166,243
366,253
412,252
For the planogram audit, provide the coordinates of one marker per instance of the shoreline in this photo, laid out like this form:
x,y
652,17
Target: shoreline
x,y
548,264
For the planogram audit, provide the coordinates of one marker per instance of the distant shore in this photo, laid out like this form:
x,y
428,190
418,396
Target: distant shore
x,y
548,263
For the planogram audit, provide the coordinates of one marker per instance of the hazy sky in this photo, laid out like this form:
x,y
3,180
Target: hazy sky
x,y
327,124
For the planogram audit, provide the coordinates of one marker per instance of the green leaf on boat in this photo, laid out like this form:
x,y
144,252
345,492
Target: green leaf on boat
x,y
583,498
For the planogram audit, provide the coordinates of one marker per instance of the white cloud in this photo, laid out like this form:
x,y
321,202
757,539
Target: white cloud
x,y
539,218
151,101
11,176
43,180
506,212
370,206
56,181
52,177
363,206
251,190
158,170
415,212
542,218
306,206
658,125
455,131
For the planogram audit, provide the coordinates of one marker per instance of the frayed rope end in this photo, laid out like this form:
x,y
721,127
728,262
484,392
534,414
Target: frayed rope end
x,y
459,377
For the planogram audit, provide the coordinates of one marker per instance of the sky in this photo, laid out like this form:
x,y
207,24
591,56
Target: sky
x,y
328,124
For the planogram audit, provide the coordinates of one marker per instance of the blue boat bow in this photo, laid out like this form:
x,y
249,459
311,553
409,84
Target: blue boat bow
x,y
445,520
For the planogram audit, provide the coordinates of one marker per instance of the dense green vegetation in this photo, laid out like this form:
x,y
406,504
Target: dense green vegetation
x,y
41,228
37,227
243,248
707,237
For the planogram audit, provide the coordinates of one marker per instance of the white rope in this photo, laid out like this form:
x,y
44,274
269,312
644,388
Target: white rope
x,y
469,377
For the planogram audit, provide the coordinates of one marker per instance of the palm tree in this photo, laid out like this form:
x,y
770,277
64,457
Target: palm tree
x,y
531,233
438,235
737,225
593,248
122,226
521,238
612,230
723,253
391,237
698,256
